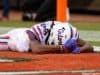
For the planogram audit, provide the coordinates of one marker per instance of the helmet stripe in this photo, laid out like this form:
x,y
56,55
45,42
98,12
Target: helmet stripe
x,y
71,31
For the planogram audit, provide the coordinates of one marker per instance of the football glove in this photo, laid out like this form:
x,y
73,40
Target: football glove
x,y
71,45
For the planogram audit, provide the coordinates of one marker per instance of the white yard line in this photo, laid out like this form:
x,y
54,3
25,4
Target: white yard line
x,y
97,49
49,72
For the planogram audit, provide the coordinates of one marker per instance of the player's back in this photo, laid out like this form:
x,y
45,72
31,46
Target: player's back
x,y
42,30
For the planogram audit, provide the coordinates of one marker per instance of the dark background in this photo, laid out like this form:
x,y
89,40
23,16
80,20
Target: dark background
x,y
83,5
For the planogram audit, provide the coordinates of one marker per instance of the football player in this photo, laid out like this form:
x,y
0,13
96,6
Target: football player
x,y
45,37
58,37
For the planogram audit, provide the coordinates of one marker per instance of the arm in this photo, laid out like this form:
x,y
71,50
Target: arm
x,y
79,46
85,47
37,48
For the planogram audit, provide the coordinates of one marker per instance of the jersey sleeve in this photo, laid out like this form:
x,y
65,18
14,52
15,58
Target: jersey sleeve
x,y
41,31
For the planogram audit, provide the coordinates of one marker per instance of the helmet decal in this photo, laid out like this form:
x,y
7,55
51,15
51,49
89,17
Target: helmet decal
x,y
60,36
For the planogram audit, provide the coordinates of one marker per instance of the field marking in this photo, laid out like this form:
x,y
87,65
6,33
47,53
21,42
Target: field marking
x,y
48,72
90,35
96,49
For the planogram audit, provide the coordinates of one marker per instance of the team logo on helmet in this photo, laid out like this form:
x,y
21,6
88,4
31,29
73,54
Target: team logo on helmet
x,y
59,34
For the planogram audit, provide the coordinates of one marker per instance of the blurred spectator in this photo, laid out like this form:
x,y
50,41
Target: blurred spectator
x,y
39,10
30,7
6,6
47,11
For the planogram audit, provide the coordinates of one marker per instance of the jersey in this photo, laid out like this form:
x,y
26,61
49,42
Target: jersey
x,y
43,31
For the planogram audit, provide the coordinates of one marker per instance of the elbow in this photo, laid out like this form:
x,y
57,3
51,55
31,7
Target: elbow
x,y
87,49
91,49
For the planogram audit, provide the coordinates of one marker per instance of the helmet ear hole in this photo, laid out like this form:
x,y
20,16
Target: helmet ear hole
x,y
52,43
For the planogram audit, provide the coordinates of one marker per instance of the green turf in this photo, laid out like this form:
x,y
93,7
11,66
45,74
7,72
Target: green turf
x,y
79,25
16,23
87,25
95,43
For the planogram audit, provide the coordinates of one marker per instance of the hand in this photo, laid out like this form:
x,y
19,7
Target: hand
x,y
76,50
71,45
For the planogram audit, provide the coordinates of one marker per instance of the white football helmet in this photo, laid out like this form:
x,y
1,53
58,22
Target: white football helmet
x,y
60,33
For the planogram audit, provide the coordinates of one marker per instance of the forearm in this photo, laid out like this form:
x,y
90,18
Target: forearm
x,y
48,49
37,48
41,49
86,48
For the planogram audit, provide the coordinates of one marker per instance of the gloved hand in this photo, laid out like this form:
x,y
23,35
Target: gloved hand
x,y
71,45
76,50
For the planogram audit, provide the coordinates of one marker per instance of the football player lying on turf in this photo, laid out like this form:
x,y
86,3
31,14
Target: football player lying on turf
x,y
46,37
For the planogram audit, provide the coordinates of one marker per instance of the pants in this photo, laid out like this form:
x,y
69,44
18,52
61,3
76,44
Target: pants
x,y
15,40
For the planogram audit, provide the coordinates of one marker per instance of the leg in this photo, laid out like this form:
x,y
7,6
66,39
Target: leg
x,y
4,42
5,9
19,40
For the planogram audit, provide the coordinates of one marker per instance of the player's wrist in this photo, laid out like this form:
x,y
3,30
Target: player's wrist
x,y
76,50
70,44
64,49
61,48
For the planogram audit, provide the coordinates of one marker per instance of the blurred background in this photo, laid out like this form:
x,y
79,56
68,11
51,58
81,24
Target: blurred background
x,y
42,10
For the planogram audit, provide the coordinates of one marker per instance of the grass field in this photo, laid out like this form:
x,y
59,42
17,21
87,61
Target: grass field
x,y
92,27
